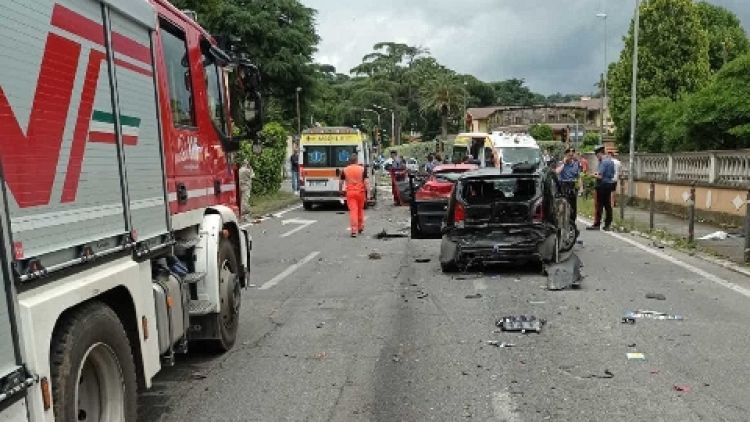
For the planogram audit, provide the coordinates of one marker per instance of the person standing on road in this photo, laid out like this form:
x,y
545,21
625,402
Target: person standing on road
x,y
294,161
246,175
605,182
618,167
569,172
354,177
430,164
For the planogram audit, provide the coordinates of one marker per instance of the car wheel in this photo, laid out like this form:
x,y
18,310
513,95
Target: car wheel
x,y
307,206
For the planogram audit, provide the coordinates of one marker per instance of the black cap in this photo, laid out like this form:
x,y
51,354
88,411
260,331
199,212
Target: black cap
x,y
598,149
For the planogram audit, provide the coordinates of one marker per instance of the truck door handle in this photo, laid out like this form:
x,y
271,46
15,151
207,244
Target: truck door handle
x,y
182,193
217,187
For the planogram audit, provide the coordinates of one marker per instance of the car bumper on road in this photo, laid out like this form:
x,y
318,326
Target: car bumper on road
x,y
501,246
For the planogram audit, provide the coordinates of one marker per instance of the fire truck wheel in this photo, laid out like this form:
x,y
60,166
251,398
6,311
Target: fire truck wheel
x,y
230,296
93,374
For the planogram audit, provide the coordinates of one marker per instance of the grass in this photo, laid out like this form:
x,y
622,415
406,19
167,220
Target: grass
x,y
266,204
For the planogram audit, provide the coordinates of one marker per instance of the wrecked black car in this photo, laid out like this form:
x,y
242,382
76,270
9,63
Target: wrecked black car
x,y
516,217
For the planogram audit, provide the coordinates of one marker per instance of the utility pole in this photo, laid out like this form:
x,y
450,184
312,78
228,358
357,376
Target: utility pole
x,y
634,101
605,75
466,83
299,118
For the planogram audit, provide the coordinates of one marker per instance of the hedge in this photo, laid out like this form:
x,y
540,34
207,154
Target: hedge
x,y
267,165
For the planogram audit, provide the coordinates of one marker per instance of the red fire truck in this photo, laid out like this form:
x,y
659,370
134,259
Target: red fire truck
x,y
119,227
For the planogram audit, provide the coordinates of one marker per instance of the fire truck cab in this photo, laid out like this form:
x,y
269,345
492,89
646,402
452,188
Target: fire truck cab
x,y
119,226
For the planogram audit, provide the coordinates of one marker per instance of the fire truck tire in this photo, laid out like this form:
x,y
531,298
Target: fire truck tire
x,y
230,296
92,368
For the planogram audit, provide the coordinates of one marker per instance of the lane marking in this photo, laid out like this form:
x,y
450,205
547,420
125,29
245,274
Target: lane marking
x,y
292,268
695,270
303,224
290,209
502,405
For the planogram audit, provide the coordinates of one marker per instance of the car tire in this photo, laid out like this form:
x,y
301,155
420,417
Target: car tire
x,y
308,206
448,256
92,366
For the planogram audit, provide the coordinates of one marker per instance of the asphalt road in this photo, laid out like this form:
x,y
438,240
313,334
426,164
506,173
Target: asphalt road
x,y
330,334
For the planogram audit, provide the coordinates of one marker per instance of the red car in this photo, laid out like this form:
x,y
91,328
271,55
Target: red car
x,y
430,200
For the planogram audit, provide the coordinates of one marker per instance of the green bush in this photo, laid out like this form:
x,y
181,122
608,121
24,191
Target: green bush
x,y
541,132
268,164
589,142
556,148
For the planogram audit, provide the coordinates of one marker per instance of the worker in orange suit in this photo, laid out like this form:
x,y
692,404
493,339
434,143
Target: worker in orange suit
x,y
354,177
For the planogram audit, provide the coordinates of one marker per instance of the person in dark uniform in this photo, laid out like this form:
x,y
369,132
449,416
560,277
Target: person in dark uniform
x,y
605,185
569,173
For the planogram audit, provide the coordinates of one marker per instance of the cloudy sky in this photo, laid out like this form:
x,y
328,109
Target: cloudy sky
x,y
556,45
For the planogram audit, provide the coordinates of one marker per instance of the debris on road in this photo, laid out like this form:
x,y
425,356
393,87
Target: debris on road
x,y
385,235
537,302
652,315
422,295
682,388
396,358
474,296
564,274
628,320
198,376
522,323
656,296
607,374
422,260
500,344
635,356
320,356
374,256
320,324
631,345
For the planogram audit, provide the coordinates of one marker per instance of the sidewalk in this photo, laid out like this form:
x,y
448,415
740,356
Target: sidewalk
x,y
731,248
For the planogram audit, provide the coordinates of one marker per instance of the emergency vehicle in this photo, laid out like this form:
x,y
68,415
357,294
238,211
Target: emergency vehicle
x,y
476,145
515,148
118,222
323,154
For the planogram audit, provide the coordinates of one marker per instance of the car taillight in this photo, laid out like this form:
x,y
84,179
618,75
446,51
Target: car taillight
x,y
459,214
538,211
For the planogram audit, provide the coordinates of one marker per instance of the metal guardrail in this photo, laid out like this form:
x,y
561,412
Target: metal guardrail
x,y
723,168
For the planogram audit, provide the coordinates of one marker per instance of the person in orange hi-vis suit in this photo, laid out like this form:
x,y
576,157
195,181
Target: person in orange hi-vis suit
x,y
354,177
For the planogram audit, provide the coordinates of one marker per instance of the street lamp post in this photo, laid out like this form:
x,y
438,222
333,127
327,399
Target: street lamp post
x,y
393,121
299,118
633,101
605,76
466,83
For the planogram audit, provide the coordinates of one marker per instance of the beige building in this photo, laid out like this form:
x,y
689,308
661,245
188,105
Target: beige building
x,y
585,114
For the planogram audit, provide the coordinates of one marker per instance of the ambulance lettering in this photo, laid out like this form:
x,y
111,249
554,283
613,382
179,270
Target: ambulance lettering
x,y
30,157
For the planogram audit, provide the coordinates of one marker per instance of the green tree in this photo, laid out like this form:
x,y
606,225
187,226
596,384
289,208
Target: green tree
x,y
443,95
268,163
541,132
590,141
515,92
673,58
718,117
727,39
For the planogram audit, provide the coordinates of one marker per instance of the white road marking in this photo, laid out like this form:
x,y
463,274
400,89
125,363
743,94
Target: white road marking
x,y
480,285
284,274
695,270
290,209
502,405
303,224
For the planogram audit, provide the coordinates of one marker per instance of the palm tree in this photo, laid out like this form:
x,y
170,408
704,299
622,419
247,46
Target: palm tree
x,y
442,94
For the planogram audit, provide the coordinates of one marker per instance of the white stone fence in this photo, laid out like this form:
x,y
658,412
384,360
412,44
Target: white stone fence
x,y
716,168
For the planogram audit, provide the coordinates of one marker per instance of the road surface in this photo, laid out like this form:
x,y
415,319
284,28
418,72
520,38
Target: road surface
x,y
330,334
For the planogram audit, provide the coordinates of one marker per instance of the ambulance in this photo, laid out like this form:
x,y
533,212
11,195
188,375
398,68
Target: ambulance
x,y
476,146
515,148
323,154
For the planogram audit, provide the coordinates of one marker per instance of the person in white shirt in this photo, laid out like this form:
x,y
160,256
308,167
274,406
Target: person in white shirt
x,y
618,168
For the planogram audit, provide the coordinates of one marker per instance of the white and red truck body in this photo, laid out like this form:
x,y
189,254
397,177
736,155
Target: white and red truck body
x,y
114,134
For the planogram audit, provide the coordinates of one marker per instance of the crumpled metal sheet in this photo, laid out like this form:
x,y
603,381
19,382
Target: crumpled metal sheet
x,y
522,323
565,274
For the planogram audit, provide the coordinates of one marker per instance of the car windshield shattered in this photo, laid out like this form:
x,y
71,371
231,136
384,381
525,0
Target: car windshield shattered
x,y
501,189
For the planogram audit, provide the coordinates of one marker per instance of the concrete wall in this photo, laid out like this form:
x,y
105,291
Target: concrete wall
x,y
725,200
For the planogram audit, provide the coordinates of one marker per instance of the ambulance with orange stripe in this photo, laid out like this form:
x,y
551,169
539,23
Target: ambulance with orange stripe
x,y
324,152
120,244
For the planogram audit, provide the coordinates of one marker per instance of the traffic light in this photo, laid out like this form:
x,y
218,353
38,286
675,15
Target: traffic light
x,y
377,135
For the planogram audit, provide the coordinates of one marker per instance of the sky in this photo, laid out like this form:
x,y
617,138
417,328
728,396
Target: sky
x,y
555,45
